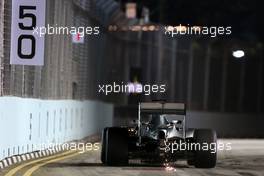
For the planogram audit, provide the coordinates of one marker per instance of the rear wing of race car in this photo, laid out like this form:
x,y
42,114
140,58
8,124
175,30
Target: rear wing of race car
x,y
162,108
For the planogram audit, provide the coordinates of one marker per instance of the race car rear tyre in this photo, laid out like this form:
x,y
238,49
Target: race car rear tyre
x,y
103,141
205,158
116,146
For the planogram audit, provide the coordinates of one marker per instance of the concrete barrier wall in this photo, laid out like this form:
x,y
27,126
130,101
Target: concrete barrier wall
x,y
228,124
26,124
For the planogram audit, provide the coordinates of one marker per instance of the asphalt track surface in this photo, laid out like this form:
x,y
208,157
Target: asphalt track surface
x,y
245,159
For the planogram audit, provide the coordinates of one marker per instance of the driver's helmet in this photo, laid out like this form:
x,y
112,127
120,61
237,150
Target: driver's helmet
x,y
157,120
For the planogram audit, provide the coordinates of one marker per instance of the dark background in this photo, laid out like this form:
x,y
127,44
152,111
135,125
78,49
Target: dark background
x,y
243,15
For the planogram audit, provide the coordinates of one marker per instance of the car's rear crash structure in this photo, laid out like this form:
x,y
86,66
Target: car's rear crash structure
x,y
158,139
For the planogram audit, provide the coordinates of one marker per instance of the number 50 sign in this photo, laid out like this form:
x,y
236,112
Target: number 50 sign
x,y
27,47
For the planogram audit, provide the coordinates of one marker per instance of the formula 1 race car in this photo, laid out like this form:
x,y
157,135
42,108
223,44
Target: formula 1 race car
x,y
162,138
